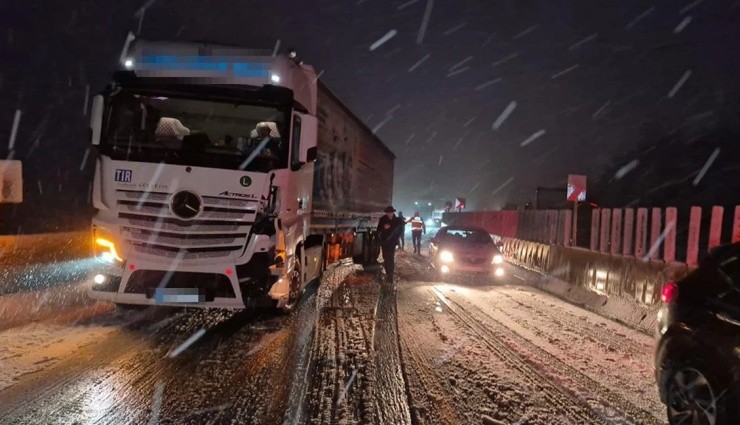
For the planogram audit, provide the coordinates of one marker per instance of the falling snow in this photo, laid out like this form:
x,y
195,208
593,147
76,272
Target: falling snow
x,y
407,4
417,64
640,17
424,22
601,109
690,6
454,29
679,83
563,72
457,71
627,168
680,27
525,32
461,63
706,166
504,115
382,40
14,130
580,43
503,185
505,59
533,137
488,84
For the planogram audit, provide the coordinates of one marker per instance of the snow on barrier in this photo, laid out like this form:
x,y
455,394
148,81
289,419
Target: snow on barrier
x,y
623,288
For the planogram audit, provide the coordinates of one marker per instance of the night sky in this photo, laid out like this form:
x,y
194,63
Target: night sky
x,y
483,99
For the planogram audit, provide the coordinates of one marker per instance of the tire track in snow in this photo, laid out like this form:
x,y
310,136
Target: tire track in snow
x,y
573,407
610,407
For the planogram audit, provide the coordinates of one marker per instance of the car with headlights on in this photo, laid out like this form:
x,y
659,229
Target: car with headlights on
x,y
463,249
697,359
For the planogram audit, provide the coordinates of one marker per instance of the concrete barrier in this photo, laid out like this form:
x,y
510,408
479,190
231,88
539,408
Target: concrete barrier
x,y
623,288
22,250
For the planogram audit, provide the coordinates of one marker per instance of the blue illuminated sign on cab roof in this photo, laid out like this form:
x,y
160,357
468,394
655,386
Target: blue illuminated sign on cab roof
x,y
238,67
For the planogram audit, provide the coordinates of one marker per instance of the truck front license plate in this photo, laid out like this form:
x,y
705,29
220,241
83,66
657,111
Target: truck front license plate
x,y
178,295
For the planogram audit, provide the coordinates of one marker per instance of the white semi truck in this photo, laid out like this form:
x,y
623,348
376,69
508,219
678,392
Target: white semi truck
x,y
227,177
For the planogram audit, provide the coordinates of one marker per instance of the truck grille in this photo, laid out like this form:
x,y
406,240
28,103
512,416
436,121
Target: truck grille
x,y
149,227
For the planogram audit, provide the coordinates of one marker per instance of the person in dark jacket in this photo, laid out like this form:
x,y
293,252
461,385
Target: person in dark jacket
x,y
389,230
402,238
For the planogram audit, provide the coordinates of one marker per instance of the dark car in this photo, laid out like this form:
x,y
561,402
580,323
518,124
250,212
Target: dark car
x,y
697,360
465,250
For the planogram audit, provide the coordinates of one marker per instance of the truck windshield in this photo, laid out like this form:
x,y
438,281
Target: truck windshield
x,y
179,130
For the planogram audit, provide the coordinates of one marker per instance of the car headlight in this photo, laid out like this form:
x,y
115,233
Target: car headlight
x,y
497,259
104,247
446,257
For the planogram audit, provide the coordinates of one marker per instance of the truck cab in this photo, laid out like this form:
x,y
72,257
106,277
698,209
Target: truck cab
x,y
203,178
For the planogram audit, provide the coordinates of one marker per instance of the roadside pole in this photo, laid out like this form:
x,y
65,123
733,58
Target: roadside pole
x,y
575,192
574,242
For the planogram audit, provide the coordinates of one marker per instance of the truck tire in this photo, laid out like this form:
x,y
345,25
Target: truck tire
x,y
296,290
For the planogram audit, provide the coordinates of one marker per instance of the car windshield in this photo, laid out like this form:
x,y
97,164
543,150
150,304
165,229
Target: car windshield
x,y
196,132
465,236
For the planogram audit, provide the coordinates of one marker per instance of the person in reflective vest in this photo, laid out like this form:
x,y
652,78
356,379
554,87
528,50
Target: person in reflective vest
x,y
417,229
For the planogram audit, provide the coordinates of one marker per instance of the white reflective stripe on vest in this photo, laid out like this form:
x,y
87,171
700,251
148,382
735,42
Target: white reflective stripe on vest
x,y
417,223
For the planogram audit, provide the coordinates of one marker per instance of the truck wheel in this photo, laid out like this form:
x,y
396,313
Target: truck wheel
x,y
294,296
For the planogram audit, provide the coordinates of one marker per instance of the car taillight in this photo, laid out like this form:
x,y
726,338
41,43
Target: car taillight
x,y
669,292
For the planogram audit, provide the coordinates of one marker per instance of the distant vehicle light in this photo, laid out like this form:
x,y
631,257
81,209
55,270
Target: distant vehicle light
x,y
669,292
129,63
446,257
99,279
499,272
275,78
430,222
497,259
444,269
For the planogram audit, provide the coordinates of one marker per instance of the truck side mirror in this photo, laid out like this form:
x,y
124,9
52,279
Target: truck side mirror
x,y
311,154
96,119
309,136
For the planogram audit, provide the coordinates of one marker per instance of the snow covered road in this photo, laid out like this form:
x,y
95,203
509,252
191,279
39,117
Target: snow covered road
x,y
355,352
478,351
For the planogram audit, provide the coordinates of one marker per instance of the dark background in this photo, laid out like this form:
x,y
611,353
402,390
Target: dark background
x,y
51,52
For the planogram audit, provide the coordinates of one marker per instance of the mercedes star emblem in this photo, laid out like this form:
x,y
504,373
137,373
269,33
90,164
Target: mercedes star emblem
x,y
186,204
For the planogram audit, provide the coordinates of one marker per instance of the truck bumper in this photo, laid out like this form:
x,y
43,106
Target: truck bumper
x,y
219,285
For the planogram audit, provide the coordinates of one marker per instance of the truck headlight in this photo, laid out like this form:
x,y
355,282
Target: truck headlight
x,y
446,257
104,247
497,259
